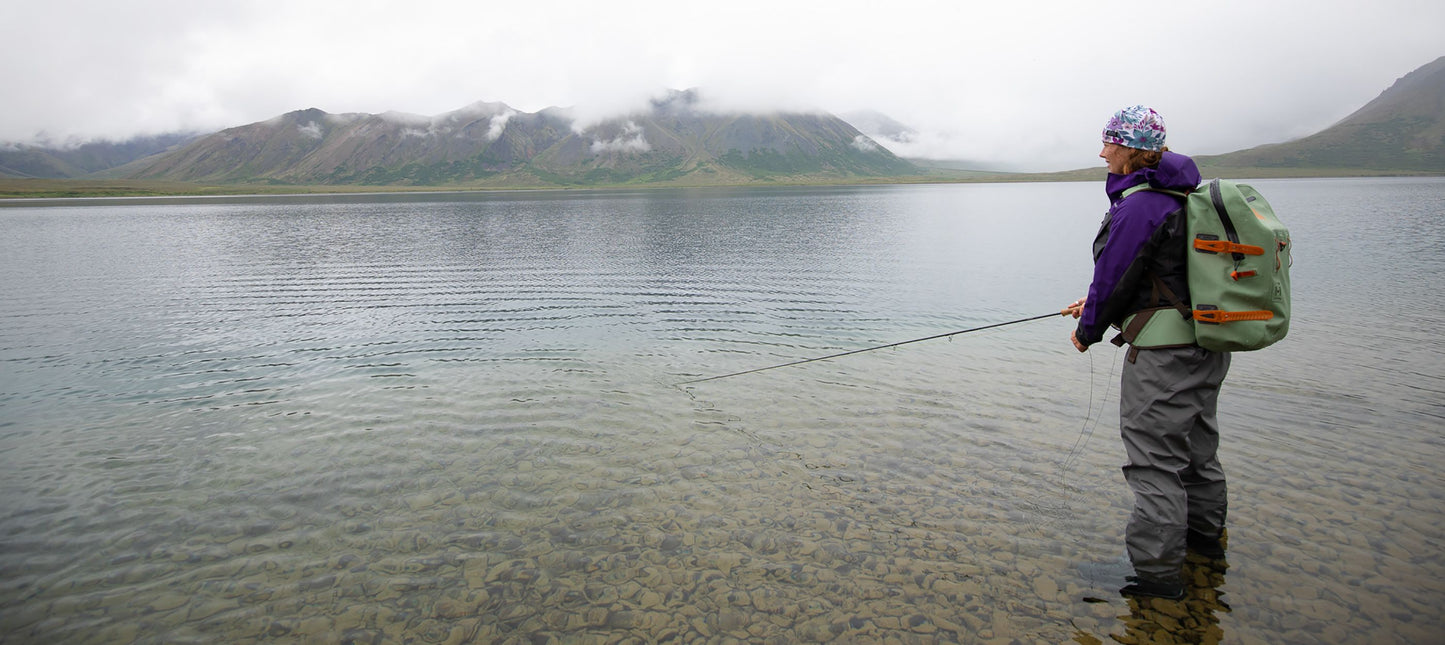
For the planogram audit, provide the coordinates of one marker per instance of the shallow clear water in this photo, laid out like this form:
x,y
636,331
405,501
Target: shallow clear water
x,y
456,417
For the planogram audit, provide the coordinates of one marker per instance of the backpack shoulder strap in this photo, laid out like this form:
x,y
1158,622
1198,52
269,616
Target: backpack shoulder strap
x,y
1138,187
1134,189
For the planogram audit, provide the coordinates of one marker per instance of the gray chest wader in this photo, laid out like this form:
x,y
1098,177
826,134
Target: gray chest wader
x,y
1167,403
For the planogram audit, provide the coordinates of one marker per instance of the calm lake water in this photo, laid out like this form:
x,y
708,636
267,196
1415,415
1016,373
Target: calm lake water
x,y
455,418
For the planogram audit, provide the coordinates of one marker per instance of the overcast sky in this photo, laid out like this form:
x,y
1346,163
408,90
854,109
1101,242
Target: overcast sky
x,y
1018,83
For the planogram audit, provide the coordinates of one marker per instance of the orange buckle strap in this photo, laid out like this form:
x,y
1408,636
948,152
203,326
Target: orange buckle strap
x,y
1219,317
1225,246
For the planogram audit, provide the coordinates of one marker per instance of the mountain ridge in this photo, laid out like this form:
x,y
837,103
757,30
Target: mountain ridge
x,y
492,143
670,141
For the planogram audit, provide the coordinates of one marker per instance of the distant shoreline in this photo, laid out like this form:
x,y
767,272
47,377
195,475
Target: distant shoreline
x,y
39,189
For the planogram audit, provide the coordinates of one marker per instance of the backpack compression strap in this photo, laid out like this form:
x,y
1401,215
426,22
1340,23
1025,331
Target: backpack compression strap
x,y
1224,246
1218,317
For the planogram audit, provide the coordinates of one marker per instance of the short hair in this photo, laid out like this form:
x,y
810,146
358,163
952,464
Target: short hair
x,y
1143,159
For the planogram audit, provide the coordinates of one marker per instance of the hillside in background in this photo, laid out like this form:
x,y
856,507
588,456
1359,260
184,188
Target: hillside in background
x,y
493,144
1400,131
83,160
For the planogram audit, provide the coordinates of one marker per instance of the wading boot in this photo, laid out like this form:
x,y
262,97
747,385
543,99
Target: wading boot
x,y
1146,587
1209,547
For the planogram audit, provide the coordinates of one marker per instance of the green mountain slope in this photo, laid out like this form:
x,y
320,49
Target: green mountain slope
x,y
1401,130
490,143
30,161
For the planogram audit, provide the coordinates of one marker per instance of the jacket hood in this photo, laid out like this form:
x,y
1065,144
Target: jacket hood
x,y
1175,172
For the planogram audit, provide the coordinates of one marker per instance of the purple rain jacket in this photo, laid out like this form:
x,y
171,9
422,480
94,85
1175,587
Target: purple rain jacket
x,y
1141,234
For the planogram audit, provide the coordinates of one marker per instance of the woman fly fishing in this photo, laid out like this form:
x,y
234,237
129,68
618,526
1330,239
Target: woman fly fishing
x,y
1168,395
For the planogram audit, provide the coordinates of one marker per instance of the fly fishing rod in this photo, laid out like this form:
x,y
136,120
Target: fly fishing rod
x,y
1065,312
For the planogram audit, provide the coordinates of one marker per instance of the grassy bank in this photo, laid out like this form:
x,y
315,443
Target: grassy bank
x,y
80,188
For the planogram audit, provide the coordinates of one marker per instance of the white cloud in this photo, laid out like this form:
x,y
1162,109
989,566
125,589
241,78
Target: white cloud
x,y
864,143
1025,83
446,124
631,139
498,124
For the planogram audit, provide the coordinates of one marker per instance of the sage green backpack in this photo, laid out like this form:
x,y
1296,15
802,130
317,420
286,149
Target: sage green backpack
x,y
1238,269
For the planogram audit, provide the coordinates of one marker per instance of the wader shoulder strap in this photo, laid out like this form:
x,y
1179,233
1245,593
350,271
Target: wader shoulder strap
x,y
1169,298
1162,298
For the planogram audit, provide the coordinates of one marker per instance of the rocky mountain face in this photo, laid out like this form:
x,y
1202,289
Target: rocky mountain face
x,y
493,143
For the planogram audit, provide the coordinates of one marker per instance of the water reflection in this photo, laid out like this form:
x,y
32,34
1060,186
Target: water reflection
x,y
1195,619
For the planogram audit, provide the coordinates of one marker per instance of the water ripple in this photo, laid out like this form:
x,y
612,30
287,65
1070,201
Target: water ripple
x,y
456,419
